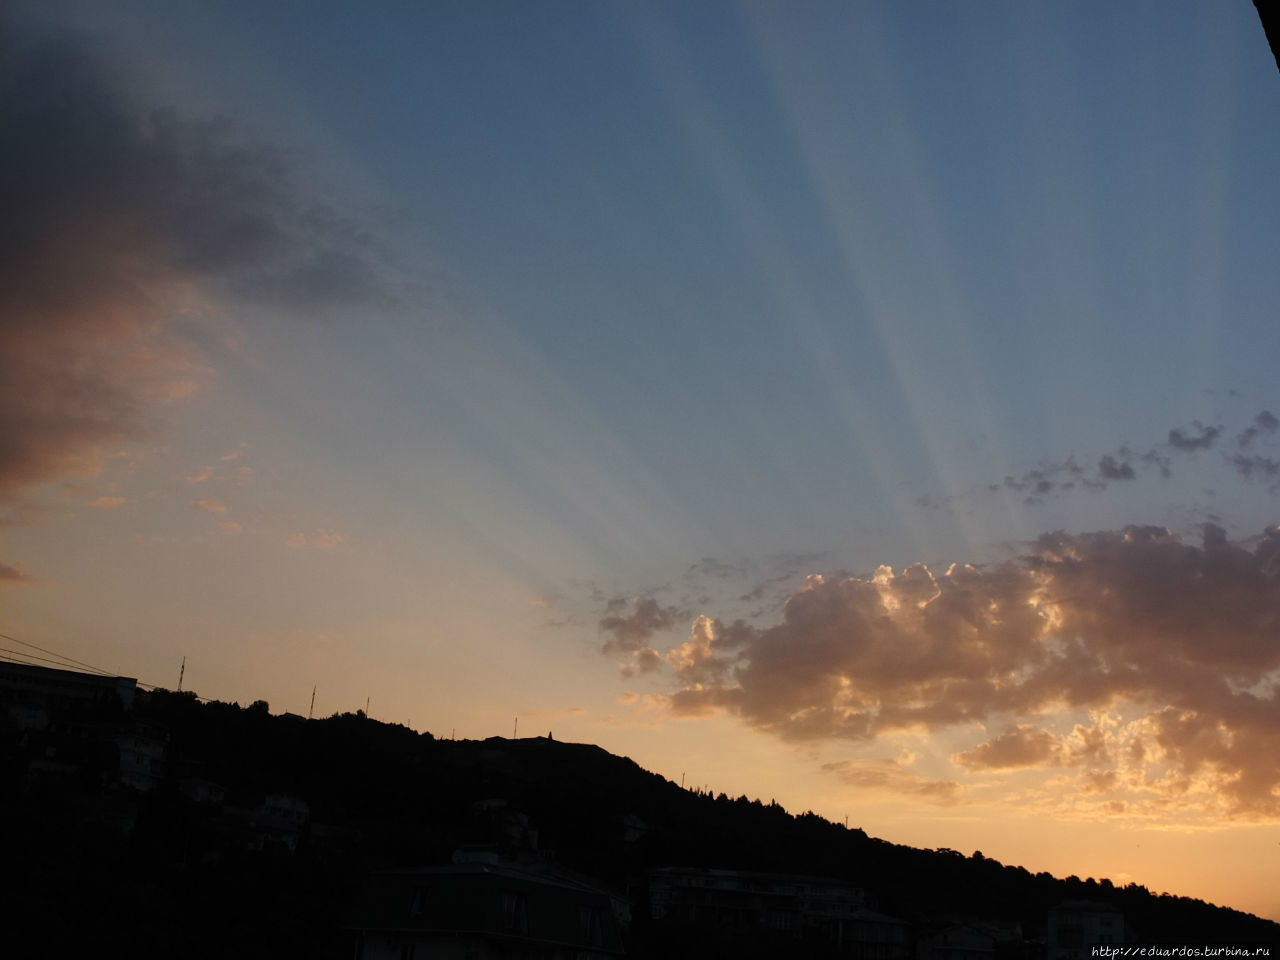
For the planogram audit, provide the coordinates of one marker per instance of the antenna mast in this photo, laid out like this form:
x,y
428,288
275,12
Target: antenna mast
x,y
182,670
514,728
312,708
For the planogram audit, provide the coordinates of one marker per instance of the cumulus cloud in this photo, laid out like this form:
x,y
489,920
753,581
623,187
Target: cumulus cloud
x,y
123,226
1182,639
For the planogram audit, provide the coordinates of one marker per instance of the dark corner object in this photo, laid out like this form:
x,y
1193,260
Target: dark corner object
x,y
1270,25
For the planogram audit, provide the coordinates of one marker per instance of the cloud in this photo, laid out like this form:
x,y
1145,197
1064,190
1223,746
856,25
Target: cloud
x,y
208,506
230,526
1020,746
1256,466
631,630
14,575
319,540
888,775
1264,422
1110,469
107,503
201,477
1195,437
125,228
27,514
1183,638
1126,464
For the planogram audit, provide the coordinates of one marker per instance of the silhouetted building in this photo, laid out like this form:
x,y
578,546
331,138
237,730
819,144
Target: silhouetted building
x,y
33,695
957,941
1075,927
634,829
485,911
798,907
202,792
278,821
141,748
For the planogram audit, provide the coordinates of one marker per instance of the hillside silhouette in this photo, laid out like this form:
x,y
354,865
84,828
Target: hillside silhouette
x,y
257,834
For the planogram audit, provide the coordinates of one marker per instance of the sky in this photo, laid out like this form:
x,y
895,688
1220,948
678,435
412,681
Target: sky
x,y
867,406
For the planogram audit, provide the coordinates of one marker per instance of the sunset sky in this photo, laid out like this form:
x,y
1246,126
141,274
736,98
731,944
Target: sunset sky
x,y
870,406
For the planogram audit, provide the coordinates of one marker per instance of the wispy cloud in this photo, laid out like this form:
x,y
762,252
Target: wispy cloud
x,y
889,776
12,575
208,506
1264,423
1125,463
318,540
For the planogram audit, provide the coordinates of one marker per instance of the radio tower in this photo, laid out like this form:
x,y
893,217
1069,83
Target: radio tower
x,y
181,670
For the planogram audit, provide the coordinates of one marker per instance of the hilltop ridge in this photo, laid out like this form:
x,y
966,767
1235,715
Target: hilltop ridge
x,y
284,817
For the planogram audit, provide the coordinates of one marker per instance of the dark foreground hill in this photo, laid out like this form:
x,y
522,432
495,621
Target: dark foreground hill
x,y
245,834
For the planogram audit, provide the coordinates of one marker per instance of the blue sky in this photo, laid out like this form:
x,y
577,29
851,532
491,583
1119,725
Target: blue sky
x,y
422,352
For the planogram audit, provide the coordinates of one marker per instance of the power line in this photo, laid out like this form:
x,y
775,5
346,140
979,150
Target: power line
x,y
65,661
61,656
15,659
31,656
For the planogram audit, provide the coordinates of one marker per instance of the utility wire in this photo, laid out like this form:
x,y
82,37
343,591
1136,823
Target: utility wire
x,y
31,656
15,659
80,663
65,660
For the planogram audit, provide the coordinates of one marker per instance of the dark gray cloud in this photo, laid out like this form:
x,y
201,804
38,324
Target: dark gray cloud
x,y
1195,437
718,569
1053,478
123,224
630,624
1256,466
1135,618
1110,469
1264,422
